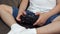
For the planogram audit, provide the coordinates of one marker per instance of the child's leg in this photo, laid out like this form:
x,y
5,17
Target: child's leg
x,y
54,27
6,14
9,20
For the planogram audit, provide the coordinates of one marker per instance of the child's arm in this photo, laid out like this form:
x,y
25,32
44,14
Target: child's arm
x,y
23,5
55,10
43,17
22,8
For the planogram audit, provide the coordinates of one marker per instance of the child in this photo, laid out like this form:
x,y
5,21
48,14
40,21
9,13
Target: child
x,y
45,9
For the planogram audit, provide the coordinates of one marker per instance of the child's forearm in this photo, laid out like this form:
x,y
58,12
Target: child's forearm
x,y
54,11
23,5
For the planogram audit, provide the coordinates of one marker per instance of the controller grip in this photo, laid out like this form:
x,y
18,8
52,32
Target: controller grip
x,y
28,20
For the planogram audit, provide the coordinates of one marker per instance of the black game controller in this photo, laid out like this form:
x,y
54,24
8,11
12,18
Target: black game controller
x,y
29,19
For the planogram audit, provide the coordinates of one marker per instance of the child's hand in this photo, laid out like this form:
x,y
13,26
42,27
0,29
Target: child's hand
x,y
42,19
19,14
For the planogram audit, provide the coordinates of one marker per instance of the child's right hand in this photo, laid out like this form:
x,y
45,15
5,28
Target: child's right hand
x,y
19,14
42,19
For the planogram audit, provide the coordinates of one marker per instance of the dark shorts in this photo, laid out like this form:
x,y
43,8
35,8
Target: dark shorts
x,y
15,12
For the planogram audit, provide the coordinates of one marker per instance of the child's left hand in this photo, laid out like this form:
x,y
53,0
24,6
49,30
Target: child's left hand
x,y
42,19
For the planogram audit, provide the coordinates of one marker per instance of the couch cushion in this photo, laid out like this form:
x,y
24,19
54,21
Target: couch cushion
x,y
10,2
3,28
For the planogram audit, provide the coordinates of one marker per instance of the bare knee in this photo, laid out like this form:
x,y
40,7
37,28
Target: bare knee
x,y
6,8
2,5
2,8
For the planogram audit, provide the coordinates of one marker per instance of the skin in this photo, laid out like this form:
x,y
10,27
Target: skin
x,y
54,27
43,17
22,9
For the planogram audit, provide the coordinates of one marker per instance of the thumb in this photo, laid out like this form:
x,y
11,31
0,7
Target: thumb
x,y
24,13
36,23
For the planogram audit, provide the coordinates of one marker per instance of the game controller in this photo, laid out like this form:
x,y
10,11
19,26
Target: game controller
x,y
29,19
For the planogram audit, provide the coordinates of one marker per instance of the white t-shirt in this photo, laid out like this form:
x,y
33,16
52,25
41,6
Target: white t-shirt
x,y
41,5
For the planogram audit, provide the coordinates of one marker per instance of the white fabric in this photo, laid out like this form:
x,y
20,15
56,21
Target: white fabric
x,y
17,29
29,31
41,5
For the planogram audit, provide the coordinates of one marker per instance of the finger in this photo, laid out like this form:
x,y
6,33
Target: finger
x,y
24,13
36,23
40,24
18,18
37,13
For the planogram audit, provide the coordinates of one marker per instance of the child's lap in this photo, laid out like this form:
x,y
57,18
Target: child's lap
x,y
15,12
